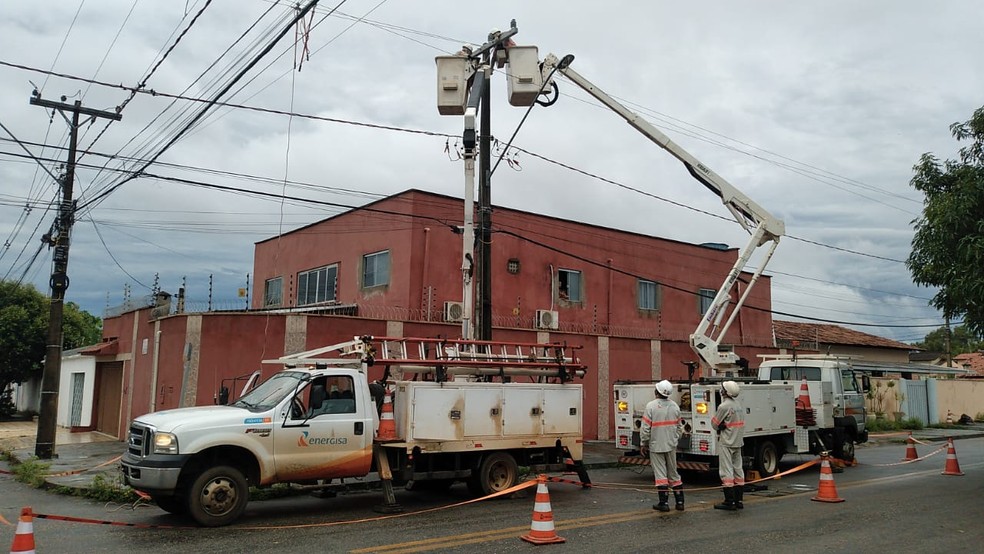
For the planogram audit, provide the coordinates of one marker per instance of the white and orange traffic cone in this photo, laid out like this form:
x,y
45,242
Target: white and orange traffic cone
x,y
951,467
387,425
542,527
804,397
827,491
24,537
910,449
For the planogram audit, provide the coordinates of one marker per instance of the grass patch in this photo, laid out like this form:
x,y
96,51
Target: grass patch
x,y
31,472
881,425
277,490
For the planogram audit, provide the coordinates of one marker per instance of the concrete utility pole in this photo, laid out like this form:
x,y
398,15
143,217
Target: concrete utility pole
x,y
44,447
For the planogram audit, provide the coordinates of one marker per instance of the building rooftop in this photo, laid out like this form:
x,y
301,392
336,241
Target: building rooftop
x,y
819,333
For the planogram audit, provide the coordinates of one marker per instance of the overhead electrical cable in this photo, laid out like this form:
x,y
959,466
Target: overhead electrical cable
x,y
203,111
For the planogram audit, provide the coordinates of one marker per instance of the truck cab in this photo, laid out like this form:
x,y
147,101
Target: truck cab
x,y
835,392
299,425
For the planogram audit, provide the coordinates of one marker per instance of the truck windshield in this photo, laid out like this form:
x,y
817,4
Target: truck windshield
x,y
269,393
794,373
849,384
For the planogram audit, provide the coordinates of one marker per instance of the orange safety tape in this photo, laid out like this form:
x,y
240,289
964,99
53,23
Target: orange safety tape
x,y
77,471
623,486
107,522
903,462
504,492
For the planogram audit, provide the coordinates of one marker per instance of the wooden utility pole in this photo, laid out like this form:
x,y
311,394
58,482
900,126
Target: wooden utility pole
x,y
44,447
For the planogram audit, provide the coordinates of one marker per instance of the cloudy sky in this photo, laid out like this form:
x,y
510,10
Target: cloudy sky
x,y
816,110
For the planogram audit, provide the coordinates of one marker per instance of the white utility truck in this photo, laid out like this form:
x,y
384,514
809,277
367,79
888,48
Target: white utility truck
x,y
777,420
445,410
772,423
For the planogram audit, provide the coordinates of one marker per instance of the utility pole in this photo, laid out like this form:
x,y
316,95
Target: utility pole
x,y
464,87
485,204
44,447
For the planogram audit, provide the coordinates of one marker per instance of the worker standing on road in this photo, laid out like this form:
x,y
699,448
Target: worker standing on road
x,y
661,428
730,424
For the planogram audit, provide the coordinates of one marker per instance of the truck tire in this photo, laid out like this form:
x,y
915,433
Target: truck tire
x,y
843,445
218,496
766,460
171,504
497,472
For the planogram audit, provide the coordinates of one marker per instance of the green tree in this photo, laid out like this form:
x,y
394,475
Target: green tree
x,y
24,331
948,245
962,340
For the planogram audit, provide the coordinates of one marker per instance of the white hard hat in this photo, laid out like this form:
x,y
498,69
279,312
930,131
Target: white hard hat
x,y
730,388
664,388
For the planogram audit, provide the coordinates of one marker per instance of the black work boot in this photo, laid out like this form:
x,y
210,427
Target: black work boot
x,y
739,494
729,500
678,496
664,497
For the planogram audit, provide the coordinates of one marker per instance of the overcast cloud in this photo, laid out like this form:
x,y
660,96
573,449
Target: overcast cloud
x,y
816,110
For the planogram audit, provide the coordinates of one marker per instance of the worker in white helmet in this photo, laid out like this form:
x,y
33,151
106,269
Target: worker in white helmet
x,y
730,424
661,429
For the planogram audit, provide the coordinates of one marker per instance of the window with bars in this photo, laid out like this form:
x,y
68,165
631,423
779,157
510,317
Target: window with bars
x,y
317,285
375,269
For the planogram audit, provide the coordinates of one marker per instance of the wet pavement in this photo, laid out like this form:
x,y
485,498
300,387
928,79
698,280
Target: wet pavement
x,y
79,457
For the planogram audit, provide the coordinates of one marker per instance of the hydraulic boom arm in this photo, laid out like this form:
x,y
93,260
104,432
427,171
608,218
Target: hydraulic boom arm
x,y
760,224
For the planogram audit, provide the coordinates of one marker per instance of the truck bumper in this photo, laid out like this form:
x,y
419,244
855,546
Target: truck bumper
x,y
156,472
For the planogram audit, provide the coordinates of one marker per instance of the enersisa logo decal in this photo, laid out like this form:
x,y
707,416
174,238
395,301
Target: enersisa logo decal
x,y
306,440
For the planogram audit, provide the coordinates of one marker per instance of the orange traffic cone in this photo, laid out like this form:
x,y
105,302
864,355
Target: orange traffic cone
x,y
387,425
24,537
826,492
542,527
804,397
910,449
951,467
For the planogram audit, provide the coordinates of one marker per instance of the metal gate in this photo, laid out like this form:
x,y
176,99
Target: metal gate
x,y
78,386
917,400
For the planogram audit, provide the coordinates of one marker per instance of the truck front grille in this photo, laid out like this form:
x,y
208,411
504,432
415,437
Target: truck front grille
x,y
138,441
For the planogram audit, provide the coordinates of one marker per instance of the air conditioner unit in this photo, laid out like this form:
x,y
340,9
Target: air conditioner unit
x,y
547,319
454,311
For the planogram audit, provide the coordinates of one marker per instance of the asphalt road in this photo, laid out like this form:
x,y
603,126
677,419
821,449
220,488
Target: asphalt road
x,y
888,507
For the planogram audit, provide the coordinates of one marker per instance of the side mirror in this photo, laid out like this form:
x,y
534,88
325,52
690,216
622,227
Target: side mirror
x,y
223,395
865,383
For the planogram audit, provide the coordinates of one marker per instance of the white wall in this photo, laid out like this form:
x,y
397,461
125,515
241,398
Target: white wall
x,y
70,365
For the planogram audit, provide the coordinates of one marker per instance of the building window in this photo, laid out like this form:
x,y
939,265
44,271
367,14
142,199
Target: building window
x,y
705,297
376,269
317,285
512,266
569,282
649,295
273,292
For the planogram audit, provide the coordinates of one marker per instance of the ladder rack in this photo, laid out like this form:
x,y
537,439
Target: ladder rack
x,y
448,357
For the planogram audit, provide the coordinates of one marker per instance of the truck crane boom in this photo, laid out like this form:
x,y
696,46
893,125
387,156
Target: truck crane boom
x,y
759,223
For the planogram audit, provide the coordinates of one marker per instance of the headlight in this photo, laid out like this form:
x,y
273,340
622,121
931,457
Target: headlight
x,y
702,407
165,443
623,406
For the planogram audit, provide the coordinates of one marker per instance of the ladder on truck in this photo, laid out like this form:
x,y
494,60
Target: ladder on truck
x,y
449,357
446,358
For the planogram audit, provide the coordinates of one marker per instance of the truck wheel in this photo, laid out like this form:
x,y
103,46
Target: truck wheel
x,y
497,472
218,496
171,504
843,446
766,458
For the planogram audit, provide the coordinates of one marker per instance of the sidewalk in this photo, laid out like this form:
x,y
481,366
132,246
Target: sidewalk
x,y
85,455
81,456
